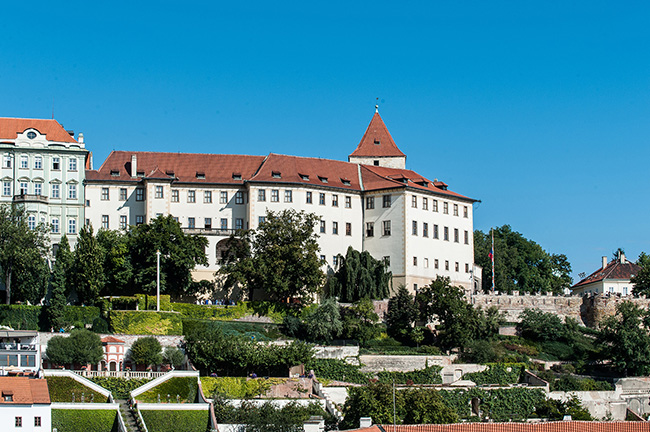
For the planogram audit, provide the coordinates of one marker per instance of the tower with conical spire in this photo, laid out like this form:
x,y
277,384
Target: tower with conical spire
x,y
377,146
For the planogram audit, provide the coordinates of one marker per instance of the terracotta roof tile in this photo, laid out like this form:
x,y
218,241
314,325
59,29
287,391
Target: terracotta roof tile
x,y
561,426
377,141
614,270
111,339
52,129
24,390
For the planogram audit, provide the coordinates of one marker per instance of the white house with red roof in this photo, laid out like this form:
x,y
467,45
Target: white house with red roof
x,y
418,226
611,278
24,404
43,168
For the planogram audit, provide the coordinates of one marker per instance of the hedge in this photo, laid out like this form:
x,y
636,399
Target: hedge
x,y
176,420
498,404
338,370
82,314
275,312
120,387
62,389
20,317
256,331
72,420
238,387
185,388
148,302
146,323
497,373
428,375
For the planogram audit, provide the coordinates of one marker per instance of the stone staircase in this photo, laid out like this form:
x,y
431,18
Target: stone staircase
x,y
129,416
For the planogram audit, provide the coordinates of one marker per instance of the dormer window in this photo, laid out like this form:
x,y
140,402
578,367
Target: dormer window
x,y
236,176
377,142
31,134
115,173
140,173
375,163
304,177
276,174
323,179
8,395
345,182
200,175
170,173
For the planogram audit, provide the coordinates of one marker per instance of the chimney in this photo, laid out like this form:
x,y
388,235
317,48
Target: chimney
x,y
314,424
81,138
622,258
365,422
604,261
134,166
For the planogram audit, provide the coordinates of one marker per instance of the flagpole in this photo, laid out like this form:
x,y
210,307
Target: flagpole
x,y
492,256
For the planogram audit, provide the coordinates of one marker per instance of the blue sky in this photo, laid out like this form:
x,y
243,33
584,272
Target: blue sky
x,y
538,109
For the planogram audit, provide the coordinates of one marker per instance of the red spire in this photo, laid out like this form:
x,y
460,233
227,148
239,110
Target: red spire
x,y
377,142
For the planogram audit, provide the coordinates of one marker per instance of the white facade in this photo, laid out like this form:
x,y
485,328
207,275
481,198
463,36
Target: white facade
x,y
26,418
612,278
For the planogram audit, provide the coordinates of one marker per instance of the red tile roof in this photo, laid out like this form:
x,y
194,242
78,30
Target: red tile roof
x,y
377,141
52,129
24,390
614,270
111,339
561,426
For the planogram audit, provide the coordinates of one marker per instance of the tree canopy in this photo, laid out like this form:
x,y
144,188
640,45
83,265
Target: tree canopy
x,y
520,264
641,280
279,257
359,276
59,285
401,315
81,347
87,270
146,351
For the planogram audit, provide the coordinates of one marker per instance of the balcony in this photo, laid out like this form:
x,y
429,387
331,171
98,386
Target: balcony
x,y
211,231
17,347
30,198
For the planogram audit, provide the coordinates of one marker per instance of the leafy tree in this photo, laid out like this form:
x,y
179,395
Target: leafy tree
x,y
59,285
360,321
59,350
401,315
641,280
22,255
280,257
173,356
520,264
324,323
146,351
359,276
556,410
374,400
118,271
425,406
85,347
625,338
539,326
87,270
180,253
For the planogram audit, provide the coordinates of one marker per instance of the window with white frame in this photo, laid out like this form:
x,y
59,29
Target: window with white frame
x,y
275,195
122,221
55,225
455,209
105,222
123,194
38,162
321,198
370,203
425,203
414,228
72,164
466,237
56,164
139,194
335,228
139,220
446,234
239,197
308,198
436,264
457,266
446,265
386,228
466,268
465,211
425,229
6,161
456,237
288,196
72,191
31,222
72,226
387,201
434,205
24,162
105,194
38,189
322,227
207,197
239,224
370,229
37,421
6,188
18,422
191,196
426,262
158,192
414,201
224,223
261,195
223,197
445,207
348,229
56,190
335,200
24,188
348,202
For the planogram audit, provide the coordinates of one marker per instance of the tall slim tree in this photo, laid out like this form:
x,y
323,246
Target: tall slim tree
x,y
23,251
87,270
401,314
118,271
59,285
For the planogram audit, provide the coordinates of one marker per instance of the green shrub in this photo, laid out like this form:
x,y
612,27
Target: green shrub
x,y
120,387
498,404
338,370
176,421
63,389
81,314
497,373
428,375
124,303
147,323
20,317
149,302
73,420
226,313
100,325
255,331
185,388
238,387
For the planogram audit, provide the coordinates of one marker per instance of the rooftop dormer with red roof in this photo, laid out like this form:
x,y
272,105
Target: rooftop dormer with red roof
x,y
377,147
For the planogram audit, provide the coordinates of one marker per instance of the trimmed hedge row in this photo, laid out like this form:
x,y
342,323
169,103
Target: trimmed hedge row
x,y
176,420
148,302
25,317
62,389
428,375
238,387
146,323
71,420
185,388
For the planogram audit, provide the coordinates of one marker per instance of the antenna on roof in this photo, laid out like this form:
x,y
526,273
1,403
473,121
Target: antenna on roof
x,y
377,106
52,108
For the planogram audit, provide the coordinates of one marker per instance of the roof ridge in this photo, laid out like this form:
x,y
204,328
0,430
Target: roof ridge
x,y
377,141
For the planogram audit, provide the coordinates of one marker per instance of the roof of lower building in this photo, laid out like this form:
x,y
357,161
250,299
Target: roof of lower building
x,y
614,270
377,141
554,426
23,390
112,340
52,129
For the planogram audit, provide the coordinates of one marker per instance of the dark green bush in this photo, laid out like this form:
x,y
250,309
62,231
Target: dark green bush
x,y
100,325
176,421
497,373
498,404
62,389
72,420
20,317
124,303
81,314
185,388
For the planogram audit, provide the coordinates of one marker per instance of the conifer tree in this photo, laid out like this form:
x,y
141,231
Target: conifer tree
x,y
59,285
88,273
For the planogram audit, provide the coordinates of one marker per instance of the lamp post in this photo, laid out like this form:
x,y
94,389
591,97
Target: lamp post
x,y
158,280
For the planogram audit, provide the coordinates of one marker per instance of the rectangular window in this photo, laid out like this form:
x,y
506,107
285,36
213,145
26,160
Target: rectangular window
x,y
139,220
414,228
465,211
348,229
435,205
370,202
56,164
223,197
323,259
415,261
37,421
105,194
288,196
466,268
207,223
72,165
239,197
435,264
261,195
105,222
139,195
55,226
335,261
446,234
308,198
275,195
24,162
72,191
72,226
425,203
370,229
24,188
456,239
322,227
386,228
122,221
414,201
335,228
31,222
446,265
19,422
123,194
321,199
466,237
224,223
6,188
426,263
207,197
38,189
239,224
348,202
56,191
261,220
38,162
457,266
7,161
387,201
445,207
425,229
386,261
191,222
455,209
191,196
335,200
